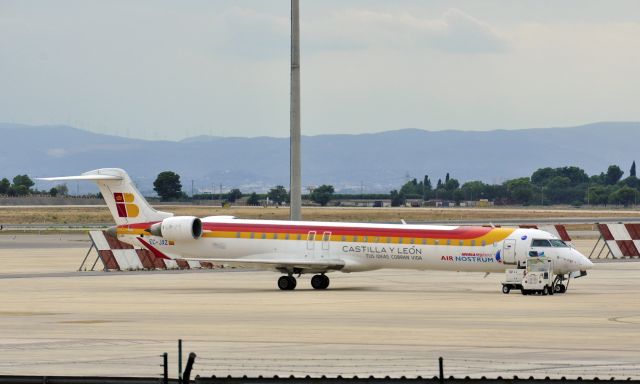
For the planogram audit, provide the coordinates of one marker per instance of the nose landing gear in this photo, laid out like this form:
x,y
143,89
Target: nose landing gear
x,y
558,286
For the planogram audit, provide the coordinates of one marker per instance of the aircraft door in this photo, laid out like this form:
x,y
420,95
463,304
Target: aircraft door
x,y
311,243
509,251
326,244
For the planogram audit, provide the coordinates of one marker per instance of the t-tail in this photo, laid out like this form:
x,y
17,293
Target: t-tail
x,y
125,202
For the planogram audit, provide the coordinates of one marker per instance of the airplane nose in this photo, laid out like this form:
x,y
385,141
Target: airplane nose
x,y
586,263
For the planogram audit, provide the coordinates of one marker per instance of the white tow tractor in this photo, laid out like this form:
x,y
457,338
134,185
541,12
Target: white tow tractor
x,y
536,278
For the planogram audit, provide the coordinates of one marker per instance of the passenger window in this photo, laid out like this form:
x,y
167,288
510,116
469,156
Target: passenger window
x,y
461,242
484,243
344,238
264,235
540,243
252,235
424,241
473,243
238,235
448,242
355,238
436,242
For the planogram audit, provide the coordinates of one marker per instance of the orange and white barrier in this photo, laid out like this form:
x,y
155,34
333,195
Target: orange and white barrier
x,y
623,240
119,256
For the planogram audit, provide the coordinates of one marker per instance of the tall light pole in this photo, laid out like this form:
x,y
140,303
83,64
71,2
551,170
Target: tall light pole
x,y
296,173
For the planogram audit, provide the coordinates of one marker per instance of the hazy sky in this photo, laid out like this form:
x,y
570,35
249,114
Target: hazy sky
x,y
170,69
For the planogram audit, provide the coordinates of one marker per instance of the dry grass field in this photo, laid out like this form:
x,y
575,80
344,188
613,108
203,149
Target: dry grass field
x,y
100,214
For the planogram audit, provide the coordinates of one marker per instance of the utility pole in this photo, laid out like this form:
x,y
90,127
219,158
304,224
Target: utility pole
x,y
295,184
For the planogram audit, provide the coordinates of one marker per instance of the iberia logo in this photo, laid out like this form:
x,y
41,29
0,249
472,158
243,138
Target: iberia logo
x,y
124,205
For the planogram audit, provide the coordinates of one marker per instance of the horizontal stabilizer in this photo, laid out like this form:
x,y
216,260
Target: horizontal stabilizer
x,y
81,177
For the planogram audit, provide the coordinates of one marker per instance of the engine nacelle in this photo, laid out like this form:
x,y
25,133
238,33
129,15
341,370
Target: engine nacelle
x,y
178,228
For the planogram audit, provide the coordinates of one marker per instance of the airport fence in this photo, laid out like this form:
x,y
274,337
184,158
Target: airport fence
x,y
294,370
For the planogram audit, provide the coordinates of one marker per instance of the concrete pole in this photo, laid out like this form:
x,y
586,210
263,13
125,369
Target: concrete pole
x,y
296,173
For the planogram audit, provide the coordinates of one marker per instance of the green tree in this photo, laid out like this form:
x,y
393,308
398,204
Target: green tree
x,y
598,179
427,188
474,190
542,175
557,190
624,195
614,174
598,195
278,194
574,174
53,192
22,181
412,188
63,190
397,198
451,185
458,196
167,185
21,190
631,181
4,186
632,172
520,190
253,199
233,195
322,195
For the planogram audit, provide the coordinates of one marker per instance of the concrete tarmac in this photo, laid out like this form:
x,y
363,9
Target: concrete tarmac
x,y
56,321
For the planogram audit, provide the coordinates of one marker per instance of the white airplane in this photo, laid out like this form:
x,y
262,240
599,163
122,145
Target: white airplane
x,y
306,247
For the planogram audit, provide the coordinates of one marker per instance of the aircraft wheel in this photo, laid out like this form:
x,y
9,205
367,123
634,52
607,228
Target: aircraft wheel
x,y
506,289
544,291
320,282
560,288
287,283
325,281
317,281
524,292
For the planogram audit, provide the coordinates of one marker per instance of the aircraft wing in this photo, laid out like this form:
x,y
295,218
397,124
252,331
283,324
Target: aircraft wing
x,y
282,265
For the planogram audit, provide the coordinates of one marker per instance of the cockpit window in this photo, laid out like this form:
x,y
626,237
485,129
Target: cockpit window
x,y
559,243
540,243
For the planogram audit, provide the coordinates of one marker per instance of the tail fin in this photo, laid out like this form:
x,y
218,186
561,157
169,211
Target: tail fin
x,y
125,202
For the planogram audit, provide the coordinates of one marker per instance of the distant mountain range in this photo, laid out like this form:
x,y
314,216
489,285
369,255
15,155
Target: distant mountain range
x,y
376,162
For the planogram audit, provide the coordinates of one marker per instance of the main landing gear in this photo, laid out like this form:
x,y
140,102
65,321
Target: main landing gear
x,y
320,282
288,282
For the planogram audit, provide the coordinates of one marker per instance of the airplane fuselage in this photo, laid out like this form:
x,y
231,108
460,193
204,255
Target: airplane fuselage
x,y
362,247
